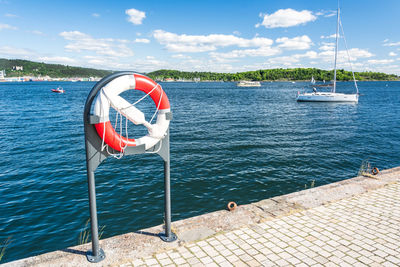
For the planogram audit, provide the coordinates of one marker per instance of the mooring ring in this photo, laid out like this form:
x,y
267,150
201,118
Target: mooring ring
x,y
232,206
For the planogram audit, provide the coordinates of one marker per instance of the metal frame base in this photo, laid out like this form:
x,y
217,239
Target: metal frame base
x,y
97,258
170,238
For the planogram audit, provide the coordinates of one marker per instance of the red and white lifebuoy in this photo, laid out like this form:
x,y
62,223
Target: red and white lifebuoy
x,y
109,95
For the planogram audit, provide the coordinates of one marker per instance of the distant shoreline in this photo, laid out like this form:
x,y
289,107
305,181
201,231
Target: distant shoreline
x,y
24,70
206,81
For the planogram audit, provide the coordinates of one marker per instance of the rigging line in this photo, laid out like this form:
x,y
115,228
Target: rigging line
x,y
146,94
143,97
348,56
158,105
336,49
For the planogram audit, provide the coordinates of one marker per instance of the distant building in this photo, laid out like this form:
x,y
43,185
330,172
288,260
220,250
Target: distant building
x,y
18,68
2,74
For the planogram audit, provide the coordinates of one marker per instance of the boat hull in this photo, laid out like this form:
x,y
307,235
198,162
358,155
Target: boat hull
x,y
249,84
327,97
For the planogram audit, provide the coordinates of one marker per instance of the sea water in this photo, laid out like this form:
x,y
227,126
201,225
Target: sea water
x,y
227,144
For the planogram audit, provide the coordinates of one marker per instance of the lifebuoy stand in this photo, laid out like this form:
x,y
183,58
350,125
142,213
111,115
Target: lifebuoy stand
x,y
94,156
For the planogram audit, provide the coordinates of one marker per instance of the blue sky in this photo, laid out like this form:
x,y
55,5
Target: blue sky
x,y
222,36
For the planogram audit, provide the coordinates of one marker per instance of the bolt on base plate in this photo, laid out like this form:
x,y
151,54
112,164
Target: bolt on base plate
x,y
91,258
170,238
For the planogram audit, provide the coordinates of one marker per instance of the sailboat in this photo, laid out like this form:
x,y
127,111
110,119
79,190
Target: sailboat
x,y
331,96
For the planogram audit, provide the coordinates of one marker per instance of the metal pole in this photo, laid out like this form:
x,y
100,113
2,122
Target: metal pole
x,y
168,236
167,201
93,159
97,254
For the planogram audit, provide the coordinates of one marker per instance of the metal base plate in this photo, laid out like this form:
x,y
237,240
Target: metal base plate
x,y
97,258
170,238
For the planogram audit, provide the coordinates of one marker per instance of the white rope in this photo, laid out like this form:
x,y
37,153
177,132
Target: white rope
x,y
158,105
144,96
115,155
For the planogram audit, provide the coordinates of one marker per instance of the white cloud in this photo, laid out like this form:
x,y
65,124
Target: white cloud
x,y
203,43
330,14
95,60
108,63
37,32
7,27
258,52
288,60
327,46
8,51
332,36
380,61
56,59
284,18
207,65
308,54
322,59
285,60
135,16
392,54
181,56
391,44
142,40
96,15
8,15
395,69
355,54
104,46
296,43
150,64
319,59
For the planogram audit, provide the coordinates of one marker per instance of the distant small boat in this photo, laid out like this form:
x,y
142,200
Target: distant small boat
x,y
249,84
59,90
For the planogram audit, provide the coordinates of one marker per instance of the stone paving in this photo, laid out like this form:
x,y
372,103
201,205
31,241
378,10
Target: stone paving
x,y
363,230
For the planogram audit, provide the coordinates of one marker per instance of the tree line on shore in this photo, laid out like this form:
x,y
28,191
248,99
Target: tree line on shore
x,y
30,68
296,74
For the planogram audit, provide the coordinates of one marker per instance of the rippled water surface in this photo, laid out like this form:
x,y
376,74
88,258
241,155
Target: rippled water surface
x,y
227,144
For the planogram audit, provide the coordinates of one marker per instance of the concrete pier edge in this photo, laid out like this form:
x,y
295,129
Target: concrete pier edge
x,y
126,248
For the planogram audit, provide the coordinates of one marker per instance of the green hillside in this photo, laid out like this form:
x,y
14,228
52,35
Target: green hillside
x,y
36,69
296,74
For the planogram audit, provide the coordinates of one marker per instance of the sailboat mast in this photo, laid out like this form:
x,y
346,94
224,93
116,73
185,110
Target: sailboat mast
x,y
336,48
